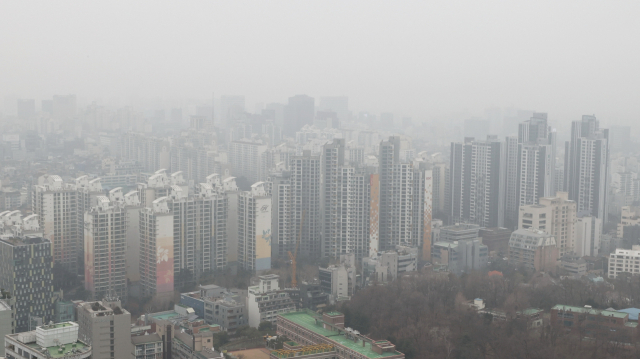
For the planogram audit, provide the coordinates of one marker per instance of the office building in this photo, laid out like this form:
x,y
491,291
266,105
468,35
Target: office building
x,y
254,228
106,327
305,182
48,341
533,249
586,165
345,204
554,215
573,265
339,281
460,256
307,329
105,234
26,273
57,205
156,250
265,301
477,180
624,261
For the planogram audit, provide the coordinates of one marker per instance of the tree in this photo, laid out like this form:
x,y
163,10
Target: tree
x,y
265,326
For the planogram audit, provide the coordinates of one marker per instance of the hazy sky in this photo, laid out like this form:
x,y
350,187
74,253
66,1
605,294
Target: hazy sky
x,y
424,58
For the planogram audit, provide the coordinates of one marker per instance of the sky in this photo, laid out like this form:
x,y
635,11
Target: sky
x,y
425,59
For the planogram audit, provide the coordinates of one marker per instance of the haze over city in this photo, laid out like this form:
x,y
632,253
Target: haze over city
x,y
426,60
319,179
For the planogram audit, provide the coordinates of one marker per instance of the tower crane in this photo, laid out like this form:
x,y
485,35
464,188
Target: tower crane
x,y
294,256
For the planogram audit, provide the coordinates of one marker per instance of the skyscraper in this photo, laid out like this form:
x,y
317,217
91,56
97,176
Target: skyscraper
x,y
477,175
586,166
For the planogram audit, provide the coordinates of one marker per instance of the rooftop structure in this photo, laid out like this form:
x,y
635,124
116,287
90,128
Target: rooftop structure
x,y
309,328
48,341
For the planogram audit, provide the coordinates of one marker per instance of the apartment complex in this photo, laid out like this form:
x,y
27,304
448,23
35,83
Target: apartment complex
x,y
246,157
624,261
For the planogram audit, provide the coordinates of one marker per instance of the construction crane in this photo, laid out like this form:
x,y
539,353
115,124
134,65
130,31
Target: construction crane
x,y
294,282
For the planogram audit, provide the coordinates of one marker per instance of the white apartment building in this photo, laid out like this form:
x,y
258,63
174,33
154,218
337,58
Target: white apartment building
x,y
588,236
105,234
254,228
624,261
57,205
156,250
266,301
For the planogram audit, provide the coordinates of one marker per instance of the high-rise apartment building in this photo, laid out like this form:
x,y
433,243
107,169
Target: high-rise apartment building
x,y
477,180
105,234
345,204
439,173
254,228
156,250
555,216
106,326
246,158
586,166
26,273
57,206
588,236
283,236
306,186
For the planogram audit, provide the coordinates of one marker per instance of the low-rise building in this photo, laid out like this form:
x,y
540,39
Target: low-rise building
x,y
311,296
266,301
496,239
573,265
588,322
307,328
459,256
339,280
389,265
49,341
147,346
624,261
534,249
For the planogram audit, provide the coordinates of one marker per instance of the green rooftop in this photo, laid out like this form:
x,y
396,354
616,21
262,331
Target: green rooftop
x,y
166,315
308,322
67,348
606,313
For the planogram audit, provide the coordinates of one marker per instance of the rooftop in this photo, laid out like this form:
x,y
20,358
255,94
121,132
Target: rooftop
x,y
53,351
308,322
606,313
143,339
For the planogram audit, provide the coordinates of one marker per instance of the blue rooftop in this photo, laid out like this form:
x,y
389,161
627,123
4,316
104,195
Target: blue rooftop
x,y
633,313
